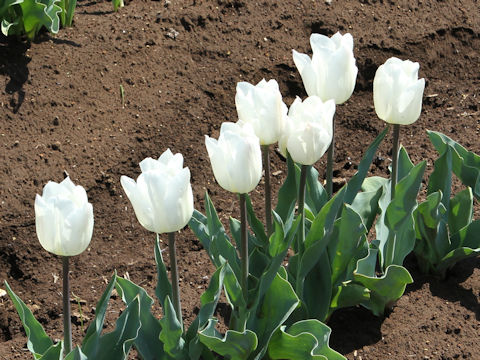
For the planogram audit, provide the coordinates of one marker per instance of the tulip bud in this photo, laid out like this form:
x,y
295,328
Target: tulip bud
x,y
397,91
236,157
309,129
331,73
261,106
63,218
162,197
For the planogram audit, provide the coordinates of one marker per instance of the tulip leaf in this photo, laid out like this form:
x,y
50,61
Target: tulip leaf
x,y
306,339
37,340
465,164
208,303
315,194
276,306
348,294
96,326
255,224
116,345
146,342
287,195
164,287
76,354
54,352
404,163
38,13
317,288
366,204
384,290
355,183
234,345
441,177
398,220
171,332
461,210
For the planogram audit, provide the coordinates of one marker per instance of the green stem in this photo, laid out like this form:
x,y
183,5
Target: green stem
x,y
330,153
268,191
301,208
244,246
396,137
67,326
174,275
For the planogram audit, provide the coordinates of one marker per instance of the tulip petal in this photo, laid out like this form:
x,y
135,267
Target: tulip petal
x,y
307,72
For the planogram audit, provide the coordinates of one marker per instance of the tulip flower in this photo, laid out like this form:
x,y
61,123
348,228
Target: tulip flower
x,y
308,133
162,199
235,157
397,96
397,91
64,218
330,74
261,105
64,224
308,130
237,165
162,196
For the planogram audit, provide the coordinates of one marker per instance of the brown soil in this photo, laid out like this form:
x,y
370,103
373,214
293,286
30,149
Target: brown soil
x,y
179,62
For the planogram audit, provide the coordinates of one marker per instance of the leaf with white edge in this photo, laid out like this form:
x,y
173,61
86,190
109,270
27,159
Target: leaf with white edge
x,y
234,345
38,13
37,340
54,352
306,339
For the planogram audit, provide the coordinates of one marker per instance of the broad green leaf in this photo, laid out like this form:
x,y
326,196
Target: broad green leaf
x,y
398,219
355,183
208,303
116,344
54,352
146,343
468,236
171,332
347,245
278,303
76,354
441,177
37,340
366,205
234,345
461,210
466,164
287,195
96,326
198,224
255,224
164,287
348,294
306,339
455,256
316,293
315,194
38,13
404,163
384,290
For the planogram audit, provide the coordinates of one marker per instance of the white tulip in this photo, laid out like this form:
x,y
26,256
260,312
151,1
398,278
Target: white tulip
x,y
63,218
309,129
162,197
261,105
397,91
331,73
235,157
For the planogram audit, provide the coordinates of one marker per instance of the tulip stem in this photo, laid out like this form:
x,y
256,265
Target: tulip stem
x,y
244,246
396,141
330,153
268,190
67,326
301,208
174,277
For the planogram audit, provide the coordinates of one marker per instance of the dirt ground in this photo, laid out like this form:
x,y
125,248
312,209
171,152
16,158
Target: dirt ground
x,y
179,62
